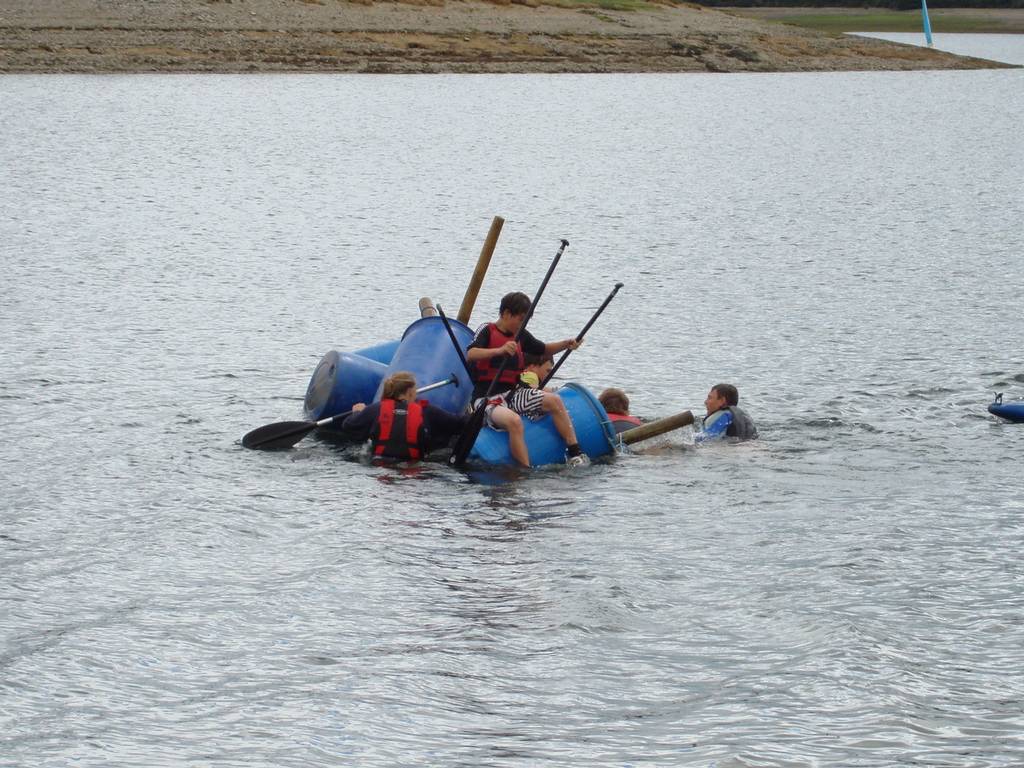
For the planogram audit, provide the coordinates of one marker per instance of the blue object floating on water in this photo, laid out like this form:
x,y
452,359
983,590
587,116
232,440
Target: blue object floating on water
x,y
1010,411
427,352
589,418
341,380
382,353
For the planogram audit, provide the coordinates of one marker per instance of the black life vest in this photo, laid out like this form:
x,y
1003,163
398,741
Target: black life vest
x,y
400,432
487,368
742,425
622,422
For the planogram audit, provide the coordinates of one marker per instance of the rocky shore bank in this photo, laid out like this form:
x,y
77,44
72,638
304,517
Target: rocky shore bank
x,y
109,36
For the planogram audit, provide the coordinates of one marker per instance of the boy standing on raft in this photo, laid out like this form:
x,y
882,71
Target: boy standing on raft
x,y
491,345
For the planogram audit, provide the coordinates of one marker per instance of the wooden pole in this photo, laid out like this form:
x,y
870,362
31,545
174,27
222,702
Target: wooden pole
x,y
655,428
482,263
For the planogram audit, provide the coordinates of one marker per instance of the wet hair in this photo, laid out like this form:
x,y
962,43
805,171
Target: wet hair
x,y
515,303
729,392
529,360
396,384
614,400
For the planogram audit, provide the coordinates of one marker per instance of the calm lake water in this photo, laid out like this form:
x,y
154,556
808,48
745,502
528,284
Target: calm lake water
x,y
179,251
1008,49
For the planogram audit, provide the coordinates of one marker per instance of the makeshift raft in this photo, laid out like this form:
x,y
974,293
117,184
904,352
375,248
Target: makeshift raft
x,y
433,351
342,379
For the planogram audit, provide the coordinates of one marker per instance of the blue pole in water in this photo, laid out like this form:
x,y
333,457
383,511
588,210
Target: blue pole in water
x,y
927,23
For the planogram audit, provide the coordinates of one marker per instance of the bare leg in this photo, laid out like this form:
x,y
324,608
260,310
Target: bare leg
x,y
508,420
563,422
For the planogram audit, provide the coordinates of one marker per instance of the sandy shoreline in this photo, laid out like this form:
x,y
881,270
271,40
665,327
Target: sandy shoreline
x,y
108,36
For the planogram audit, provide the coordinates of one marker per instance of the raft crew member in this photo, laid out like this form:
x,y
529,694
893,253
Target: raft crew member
x,y
616,405
399,426
534,403
724,417
491,345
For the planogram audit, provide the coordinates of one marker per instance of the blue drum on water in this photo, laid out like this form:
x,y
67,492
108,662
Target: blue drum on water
x,y
382,353
341,380
589,419
427,352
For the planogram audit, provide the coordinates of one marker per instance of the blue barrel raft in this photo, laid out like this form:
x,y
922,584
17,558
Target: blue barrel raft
x,y
593,430
341,380
1010,411
427,352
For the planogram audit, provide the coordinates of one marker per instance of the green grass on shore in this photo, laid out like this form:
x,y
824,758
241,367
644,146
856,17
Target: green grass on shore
x,y
875,20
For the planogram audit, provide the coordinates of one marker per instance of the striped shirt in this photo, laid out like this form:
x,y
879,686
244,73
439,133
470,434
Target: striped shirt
x,y
527,402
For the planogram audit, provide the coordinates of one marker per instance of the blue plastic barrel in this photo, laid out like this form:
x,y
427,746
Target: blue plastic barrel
x,y
341,380
427,352
382,353
589,419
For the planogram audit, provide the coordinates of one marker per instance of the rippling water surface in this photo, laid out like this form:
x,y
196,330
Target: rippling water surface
x,y
179,251
1008,49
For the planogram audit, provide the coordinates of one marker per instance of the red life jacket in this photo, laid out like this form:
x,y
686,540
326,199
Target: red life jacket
x,y
625,417
399,432
487,368
623,423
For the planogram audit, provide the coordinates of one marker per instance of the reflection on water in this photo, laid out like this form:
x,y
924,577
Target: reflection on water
x,y
178,254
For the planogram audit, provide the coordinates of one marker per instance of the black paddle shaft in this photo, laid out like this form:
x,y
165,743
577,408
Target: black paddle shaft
x,y
455,341
529,314
581,334
476,421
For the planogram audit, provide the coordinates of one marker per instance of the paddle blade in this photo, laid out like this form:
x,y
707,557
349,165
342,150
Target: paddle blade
x,y
468,436
278,436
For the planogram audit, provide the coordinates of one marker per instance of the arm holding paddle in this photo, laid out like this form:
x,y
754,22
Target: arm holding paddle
x,y
359,423
474,354
554,347
511,348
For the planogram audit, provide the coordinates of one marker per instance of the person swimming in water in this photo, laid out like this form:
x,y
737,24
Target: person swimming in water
x,y
724,416
616,405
